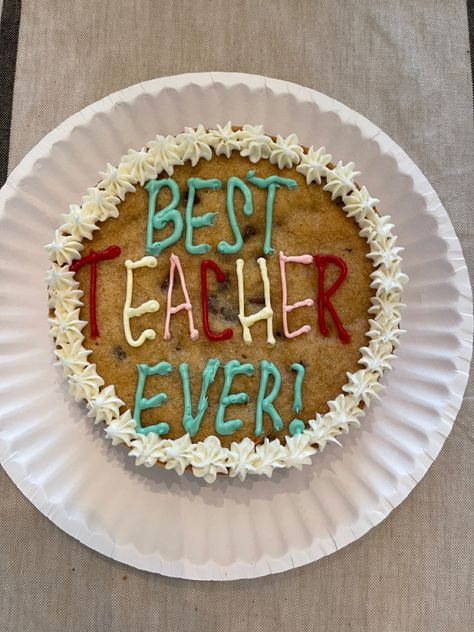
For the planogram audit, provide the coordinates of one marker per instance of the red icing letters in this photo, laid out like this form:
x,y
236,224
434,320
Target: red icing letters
x,y
321,262
93,257
226,333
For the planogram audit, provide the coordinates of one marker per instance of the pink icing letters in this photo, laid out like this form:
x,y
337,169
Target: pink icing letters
x,y
175,263
308,302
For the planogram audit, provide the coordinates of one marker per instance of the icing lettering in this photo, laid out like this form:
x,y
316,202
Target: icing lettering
x,y
265,402
193,332
233,183
143,403
296,425
271,183
266,313
307,302
191,423
145,308
226,333
93,258
158,220
231,369
203,220
324,302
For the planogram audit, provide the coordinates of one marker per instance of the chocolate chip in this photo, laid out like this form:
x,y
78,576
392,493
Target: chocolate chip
x,y
244,356
278,334
223,311
256,300
348,249
119,353
229,313
249,231
225,285
165,284
197,199
178,348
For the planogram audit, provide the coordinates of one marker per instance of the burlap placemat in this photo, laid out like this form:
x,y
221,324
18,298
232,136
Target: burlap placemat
x,y
405,65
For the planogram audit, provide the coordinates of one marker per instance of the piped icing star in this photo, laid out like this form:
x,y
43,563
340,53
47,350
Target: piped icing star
x,y
340,180
78,223
147,449
224,140
363,385
99,204
60,278
313,164
116,181
208,458
164,153
359,204
241,458
194,144
269,456
137,165
254,144
64,248
105,406
72,357
298,450
85,384
122,430
285,152
178,453
377,357
66,326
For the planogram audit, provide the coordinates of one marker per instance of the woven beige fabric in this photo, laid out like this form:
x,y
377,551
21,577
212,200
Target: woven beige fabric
x,y
404,65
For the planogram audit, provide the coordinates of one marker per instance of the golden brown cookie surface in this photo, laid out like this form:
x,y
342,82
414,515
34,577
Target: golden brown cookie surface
x,y
305,221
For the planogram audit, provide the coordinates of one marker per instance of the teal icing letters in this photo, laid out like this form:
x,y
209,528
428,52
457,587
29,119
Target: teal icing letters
x,y
203,220
265,402
232,183
191,424
157,221
231,369
143,403
271,183
297,426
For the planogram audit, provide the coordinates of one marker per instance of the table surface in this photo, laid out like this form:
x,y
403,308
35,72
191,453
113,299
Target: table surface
x,y
406,66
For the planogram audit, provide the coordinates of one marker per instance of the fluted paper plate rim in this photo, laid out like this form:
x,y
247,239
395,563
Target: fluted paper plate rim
x,y
53,508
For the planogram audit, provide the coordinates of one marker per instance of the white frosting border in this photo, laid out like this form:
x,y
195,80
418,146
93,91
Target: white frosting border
x,y
207,458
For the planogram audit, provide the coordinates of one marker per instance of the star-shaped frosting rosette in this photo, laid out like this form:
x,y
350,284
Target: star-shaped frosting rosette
x,y
66,326
313,164
116,182
340,180
360,204
363,385
64,248
137,165
241,458
164,153
85,384
285,152
100,204
298,450
209,459
224,140
78,224
194,144
105,406
147,449
72,357
122,430
254,144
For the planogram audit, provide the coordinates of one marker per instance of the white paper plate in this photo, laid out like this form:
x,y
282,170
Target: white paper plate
x,y
181,526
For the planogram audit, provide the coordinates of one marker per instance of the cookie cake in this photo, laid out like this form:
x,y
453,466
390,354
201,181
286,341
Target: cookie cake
x,y
225,301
